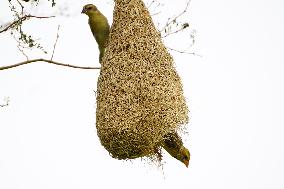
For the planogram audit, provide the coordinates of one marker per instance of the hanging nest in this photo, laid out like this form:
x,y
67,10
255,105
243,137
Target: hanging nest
x,y
140,97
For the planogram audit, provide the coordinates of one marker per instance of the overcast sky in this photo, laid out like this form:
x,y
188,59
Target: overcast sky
x,y
234,91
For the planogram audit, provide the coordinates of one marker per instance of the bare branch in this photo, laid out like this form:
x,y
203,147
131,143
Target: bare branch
x,y
48,61
154,14
57,36
22,50
170,21
16,22
184,52
20,47
184,26
151,3
7,100
3,105
22,7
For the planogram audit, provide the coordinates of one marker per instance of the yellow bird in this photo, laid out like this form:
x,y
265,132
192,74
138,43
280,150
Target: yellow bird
x,y
100,29
174,146
99,26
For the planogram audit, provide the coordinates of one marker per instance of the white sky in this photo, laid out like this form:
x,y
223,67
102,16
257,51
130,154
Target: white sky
x,y
235,93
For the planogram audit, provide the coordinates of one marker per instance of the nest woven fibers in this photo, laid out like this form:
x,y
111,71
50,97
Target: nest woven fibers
x,y
139,96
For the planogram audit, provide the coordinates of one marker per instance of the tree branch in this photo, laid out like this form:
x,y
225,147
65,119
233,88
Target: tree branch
x,y
22,7
170,21
7,102
151,4
184,26
184,52
54,46
45,60
3,105
23,19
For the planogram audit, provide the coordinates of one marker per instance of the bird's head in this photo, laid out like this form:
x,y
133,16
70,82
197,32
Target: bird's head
x,y
90,9
184,156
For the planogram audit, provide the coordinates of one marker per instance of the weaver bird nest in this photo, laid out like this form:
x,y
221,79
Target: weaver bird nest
x,y
140,97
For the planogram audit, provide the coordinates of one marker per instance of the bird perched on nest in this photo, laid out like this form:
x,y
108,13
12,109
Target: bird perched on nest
x,y
174,146
99,26
172,143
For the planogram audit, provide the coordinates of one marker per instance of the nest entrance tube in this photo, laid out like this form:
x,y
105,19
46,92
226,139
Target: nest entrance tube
x,y
139,96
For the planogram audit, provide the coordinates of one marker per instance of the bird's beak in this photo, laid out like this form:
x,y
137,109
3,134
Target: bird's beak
x,y
83,11
186,163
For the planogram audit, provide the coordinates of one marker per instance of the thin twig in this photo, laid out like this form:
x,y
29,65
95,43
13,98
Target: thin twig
x,y
151,3
184,52
23,19
22,7
192,36
3,105
7,102
96,93
45,60
22,51
20,47
173,19
57,36
182,28
154,14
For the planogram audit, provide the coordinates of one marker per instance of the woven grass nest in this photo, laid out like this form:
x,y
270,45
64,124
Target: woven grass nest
x,y
139,96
